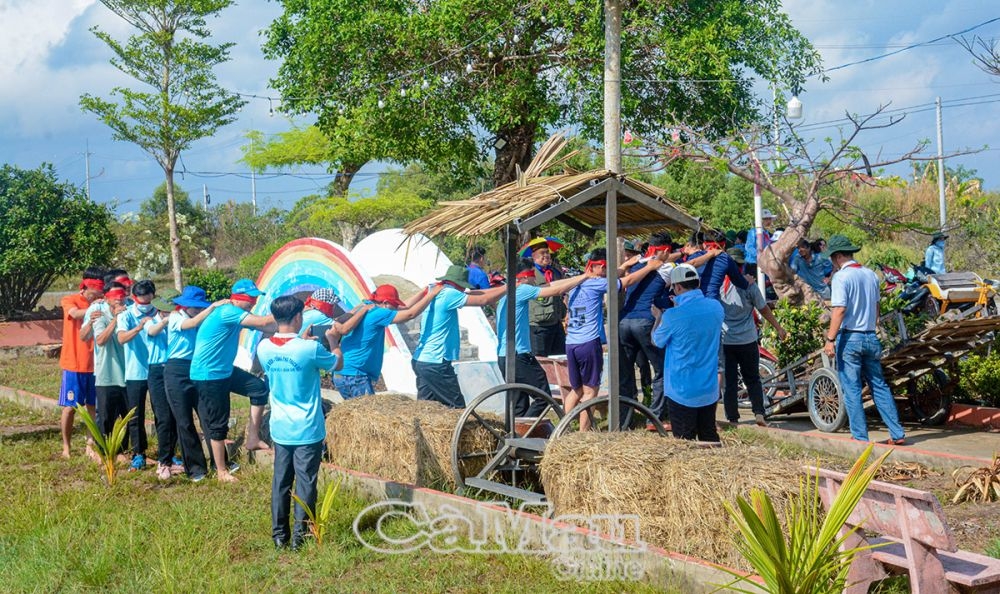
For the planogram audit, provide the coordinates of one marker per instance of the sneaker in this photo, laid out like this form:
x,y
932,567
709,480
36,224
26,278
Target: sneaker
x,y
233,467
895,442
177,461
760,420
138,463
197,478
162,472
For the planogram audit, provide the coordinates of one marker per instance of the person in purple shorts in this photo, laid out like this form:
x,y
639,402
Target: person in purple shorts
x,y
585,328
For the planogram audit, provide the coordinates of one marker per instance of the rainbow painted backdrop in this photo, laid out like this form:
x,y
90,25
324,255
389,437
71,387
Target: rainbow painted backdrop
x,y
304,265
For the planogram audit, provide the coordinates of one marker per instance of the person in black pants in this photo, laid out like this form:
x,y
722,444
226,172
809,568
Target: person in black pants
x,y
155,337
741,356
182,395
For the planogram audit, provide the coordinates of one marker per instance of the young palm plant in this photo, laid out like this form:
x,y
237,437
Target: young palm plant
x,y
809,559
107,446
319,518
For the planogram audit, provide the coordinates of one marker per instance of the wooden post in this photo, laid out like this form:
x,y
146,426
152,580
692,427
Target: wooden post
x,y
510,354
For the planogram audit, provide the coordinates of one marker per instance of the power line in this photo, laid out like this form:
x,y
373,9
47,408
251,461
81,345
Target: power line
x,y
912,46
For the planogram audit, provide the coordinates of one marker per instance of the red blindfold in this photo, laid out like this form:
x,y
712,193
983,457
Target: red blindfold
x,y
526,275
115,294
242,297
323,306
655,249
92,283
592,263
714,245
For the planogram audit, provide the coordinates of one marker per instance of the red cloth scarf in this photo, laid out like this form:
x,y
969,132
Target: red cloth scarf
x,y
453,285
92,283
242,297
281,340
546,272
323,306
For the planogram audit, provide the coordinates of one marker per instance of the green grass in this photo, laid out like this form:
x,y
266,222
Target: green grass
x,y
13,414
37,374
63,530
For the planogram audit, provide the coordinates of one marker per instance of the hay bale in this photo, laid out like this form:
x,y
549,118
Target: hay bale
x,y
398,438
676,488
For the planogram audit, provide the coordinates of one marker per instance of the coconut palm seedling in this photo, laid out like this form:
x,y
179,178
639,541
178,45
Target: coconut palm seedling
x,y
319,518
979,485
808,559
108,446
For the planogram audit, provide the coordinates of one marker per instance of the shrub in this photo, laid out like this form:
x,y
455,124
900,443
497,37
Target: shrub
x,y
217,284
979,376
805,331
251,265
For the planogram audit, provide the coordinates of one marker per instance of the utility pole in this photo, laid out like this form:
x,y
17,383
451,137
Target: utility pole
x,y
205,197
940,138
253,183
613,163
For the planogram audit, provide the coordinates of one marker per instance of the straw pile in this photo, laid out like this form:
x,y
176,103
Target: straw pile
x,y
675,488
398,438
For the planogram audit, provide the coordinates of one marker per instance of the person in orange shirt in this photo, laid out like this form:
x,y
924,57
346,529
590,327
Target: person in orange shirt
x,y
77,357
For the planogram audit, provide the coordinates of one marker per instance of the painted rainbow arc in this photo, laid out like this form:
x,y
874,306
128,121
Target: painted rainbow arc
x,y
304,265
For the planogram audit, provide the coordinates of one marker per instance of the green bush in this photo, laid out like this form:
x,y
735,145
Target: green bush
x,y
979,377
993,549
805,331
888,254
217,284
251,265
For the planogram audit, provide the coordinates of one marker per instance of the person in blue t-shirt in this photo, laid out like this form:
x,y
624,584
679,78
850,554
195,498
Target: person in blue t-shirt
x,y
215,376
130,324
320,310
478,279
717,267
440,337
192,307
585,328
689,334
292,366
364,346
527,370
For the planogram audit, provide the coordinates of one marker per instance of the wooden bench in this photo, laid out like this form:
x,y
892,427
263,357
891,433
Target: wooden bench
x,y
915,537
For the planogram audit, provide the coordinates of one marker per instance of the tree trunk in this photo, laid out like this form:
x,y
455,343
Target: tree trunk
x,y
518,151
342,179
774,260
175,240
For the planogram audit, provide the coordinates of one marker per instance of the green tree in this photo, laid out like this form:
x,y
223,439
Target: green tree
x,y
237,231
302,146
404,80
350,220
48,228
185,104
144,244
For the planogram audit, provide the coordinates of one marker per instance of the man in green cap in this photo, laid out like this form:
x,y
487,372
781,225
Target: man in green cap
x,y
852,339
440,337
934,256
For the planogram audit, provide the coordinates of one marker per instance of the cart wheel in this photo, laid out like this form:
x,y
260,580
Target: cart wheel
x,y
640,416
930,397
826,401
480,430
766,369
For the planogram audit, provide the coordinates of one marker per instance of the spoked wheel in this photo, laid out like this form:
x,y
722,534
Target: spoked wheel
x,y
930,397
932,307
597,408
826,401
767,369
480,432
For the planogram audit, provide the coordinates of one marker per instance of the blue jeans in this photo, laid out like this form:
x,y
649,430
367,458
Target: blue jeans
x,y
352,386
858,362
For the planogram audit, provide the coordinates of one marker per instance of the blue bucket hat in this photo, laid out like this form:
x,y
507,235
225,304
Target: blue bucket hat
x,y
247,287
192,296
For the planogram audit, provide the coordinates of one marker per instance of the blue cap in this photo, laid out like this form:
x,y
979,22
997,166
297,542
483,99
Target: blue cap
x,y
246,287
192,296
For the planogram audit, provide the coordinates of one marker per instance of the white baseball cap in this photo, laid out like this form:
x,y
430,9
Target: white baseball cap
x,y
683,273
766,214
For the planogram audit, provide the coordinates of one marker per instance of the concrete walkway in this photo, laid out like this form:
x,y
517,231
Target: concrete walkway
x,y
945,447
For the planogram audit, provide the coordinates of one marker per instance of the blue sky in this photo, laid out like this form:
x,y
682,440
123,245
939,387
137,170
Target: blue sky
x,y
48,58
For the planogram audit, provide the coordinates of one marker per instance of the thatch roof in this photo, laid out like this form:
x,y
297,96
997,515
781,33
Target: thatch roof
x,y
575,198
